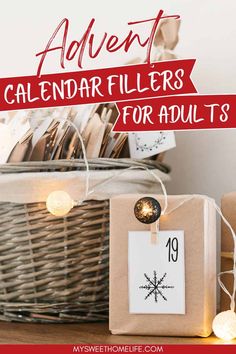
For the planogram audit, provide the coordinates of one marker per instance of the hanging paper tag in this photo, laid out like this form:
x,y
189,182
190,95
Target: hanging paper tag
x,y
156,273
142,145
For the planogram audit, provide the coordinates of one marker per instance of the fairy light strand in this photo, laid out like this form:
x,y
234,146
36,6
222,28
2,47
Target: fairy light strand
x,y
225,322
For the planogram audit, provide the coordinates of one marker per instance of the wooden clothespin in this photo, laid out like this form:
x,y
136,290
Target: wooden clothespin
x,y
154,231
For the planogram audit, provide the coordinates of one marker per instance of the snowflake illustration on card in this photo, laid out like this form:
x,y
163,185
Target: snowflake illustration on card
x,y
155,287
146,144
156,272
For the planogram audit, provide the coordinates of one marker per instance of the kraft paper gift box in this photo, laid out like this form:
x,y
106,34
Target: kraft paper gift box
x,y
228,207
197,217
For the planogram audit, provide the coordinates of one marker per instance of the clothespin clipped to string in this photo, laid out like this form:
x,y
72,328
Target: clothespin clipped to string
x,y
148,211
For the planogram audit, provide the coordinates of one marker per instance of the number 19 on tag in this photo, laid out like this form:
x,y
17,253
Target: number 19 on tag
x,y
156,272
172,245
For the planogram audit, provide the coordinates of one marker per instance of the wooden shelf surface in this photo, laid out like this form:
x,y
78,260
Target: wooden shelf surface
x,y
92,333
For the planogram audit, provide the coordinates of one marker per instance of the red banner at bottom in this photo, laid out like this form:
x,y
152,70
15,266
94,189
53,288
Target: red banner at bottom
x,y
177,113
119,348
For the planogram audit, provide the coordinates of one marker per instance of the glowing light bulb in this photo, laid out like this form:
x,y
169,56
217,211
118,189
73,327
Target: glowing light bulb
x,y
147,210
59,203
224,325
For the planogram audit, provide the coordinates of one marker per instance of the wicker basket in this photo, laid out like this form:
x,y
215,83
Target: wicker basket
x,y
56,269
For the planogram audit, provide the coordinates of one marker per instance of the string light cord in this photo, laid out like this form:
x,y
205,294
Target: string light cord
x,y
88,192
114,177
217,321
167,212
69,122
87,180
120,173
233,271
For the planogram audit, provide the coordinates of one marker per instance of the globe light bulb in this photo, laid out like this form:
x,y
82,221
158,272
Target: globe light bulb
x,y
147,210
59,203
224,325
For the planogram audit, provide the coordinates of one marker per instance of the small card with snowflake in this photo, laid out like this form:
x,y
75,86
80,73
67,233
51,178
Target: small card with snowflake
x,y
156,273
146,144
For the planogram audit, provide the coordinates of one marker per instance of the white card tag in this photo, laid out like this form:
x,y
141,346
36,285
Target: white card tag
x,y
156,273
142,145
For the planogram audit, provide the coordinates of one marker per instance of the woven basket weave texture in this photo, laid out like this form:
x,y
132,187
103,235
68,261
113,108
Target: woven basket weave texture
x,y
55,269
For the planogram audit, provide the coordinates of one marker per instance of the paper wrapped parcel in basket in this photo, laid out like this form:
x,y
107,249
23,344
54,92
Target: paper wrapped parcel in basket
x,y
55,269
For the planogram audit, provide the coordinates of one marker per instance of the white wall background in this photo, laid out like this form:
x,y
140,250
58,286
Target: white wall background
x,y
205,161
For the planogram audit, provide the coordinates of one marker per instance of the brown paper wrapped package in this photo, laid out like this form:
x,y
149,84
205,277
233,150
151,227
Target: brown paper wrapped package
x,y
196,216
228,207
